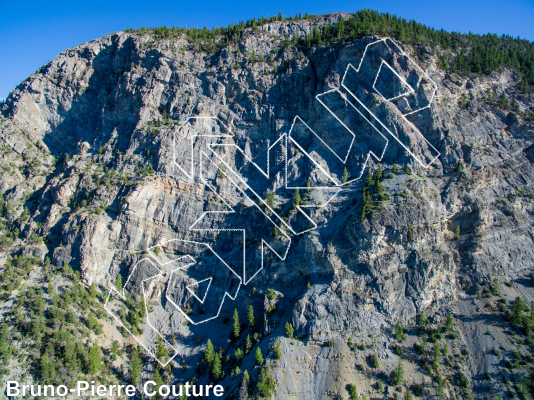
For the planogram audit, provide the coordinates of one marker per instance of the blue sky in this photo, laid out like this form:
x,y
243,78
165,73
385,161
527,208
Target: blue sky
x,y
34,32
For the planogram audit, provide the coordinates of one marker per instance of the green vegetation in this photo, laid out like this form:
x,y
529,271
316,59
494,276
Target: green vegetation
x,y
243,389
353,391
239,354
297,199
461,53
374,361
250,316
212,361
95,362
504,102
397,375
258,357
277,349
58,322
418,390
237,324
266,383
373,192
270,199
248,344
449,324
289,331
135,368
399,331
463,380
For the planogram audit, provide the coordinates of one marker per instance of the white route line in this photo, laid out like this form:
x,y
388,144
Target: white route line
x,y
410,92
236,180
123,297
369,153
282,257
403,53
197,285
169,298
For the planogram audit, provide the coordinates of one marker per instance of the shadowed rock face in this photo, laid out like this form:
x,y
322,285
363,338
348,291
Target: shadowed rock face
x,y
103,103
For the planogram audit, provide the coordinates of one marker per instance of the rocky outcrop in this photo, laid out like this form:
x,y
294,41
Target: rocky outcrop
x,y
92,138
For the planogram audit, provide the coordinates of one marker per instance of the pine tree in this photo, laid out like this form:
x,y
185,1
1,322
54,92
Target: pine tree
x,y
379,172
374,361
216,369
353,391
515,105
69,355
258,357
237,324
118,283
135,368
250,316
238,354
345,176
449,324
457,233
517,311
114,349
209,353
248,344
399,331
243,390
3,339
398,374
296,199
162,353
277,350
289,331
95,362
45,368
159,381
266,384
504,102
93,290
437,351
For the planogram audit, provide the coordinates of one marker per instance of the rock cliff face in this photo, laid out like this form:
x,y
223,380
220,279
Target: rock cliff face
x,y
100,143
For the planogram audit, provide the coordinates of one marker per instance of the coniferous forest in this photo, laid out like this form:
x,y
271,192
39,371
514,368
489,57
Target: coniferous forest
x,y
462,53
